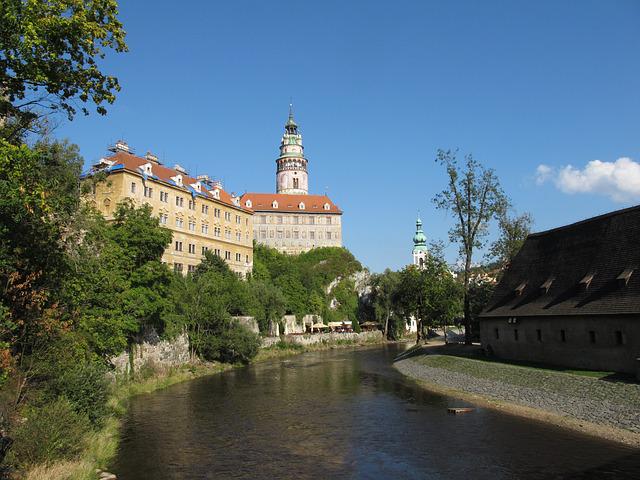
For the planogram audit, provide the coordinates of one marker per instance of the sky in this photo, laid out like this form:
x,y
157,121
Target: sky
x,y
547,93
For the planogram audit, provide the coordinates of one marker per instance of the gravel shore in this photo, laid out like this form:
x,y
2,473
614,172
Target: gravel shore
x,y
579,399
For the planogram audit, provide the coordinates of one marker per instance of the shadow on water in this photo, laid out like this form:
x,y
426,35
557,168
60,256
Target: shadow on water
x,y
343,414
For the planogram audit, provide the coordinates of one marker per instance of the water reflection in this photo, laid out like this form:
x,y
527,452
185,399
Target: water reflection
x,y
343,414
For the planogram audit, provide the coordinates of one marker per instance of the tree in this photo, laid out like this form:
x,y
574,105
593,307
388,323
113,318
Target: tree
x,y
384,287
49,57
513,233
473,196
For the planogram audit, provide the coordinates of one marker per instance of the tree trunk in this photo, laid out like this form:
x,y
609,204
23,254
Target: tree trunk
x,y
386,326
467,304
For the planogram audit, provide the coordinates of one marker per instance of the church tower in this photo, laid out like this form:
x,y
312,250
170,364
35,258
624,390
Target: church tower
x,y
419,246
291,173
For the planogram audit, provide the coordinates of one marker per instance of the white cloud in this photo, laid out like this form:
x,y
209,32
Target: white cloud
x,y
619,180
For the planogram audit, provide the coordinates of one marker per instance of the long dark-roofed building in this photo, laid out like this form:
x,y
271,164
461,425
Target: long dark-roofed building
x,y
571,297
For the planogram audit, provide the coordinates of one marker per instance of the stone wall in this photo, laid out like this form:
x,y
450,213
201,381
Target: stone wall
x,y
249,323
362,337
153,351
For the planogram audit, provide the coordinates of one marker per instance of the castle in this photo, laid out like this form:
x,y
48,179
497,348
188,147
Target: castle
x,y
292,220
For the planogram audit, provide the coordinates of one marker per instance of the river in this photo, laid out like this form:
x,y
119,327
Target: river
x,y
344,414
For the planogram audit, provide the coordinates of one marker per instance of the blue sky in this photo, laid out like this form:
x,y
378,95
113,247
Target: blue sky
x,y
378,87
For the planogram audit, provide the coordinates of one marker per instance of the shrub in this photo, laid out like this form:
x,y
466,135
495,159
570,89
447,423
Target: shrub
x,y
86,387
54,431
237,344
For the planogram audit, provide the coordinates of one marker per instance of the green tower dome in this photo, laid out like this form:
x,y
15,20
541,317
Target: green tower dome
x,y
419,239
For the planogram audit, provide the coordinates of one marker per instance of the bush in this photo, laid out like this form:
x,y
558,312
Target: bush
x,y
237,344
86,388
54,431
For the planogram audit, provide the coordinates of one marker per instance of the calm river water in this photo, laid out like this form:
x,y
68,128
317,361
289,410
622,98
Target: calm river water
x,y
344,414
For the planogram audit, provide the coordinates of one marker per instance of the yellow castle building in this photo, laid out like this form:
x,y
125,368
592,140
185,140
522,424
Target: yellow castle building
x,y
200,213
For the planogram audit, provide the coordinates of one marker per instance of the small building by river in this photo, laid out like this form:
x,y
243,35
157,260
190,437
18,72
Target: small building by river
x,y
571,297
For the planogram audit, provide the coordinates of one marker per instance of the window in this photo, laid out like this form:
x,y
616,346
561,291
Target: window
x,y
164,218
191,268
238,257
271,234
148,192
619,338
205,228
296,220
288,234
238,219
227,216
296,234
246,260
164,197
328,221
205,250
312,220
262,219
539,335
216,231
279,218
217,251
192,225
295,182
205,209
192,204
177,267
227,255
496,332
216,212
179,201
328,235
515,334
179,222
563,336
238,236
592,336
227,234
312,235
192,248
133,187
178,246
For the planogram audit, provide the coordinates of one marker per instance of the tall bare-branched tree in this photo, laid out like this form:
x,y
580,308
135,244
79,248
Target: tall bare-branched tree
x,y
474,197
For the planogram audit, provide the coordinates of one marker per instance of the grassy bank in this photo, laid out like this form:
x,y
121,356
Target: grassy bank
x,y
101,446
589,402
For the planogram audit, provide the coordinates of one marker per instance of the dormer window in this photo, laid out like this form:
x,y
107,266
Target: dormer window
x,y
216,194
146,169
547,284
624,277
586,280
197,187
248,204
327,206
520,288
301,206
178,180
274,204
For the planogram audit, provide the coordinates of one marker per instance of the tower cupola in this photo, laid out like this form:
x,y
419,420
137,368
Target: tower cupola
x,y
420,250
291,173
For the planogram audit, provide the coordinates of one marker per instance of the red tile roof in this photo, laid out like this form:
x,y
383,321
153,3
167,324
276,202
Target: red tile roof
x,y
263,202
131,162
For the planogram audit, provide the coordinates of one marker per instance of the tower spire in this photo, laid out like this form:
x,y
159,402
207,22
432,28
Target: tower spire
x,y
291,173
419,245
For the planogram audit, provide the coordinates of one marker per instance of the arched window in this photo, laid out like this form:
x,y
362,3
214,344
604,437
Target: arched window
x,y
301,206
327,206
274,204
295,183
248,203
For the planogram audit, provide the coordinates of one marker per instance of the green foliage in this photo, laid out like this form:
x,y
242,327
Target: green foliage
x,y
303,279
384,288
53,431
513,233
49,53
234,344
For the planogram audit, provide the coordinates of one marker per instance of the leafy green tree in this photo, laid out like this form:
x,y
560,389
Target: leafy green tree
x,y
49,54
473,196
269,303
513,232
384,289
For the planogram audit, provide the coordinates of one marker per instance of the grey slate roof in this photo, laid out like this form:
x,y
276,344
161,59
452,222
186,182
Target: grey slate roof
x,y
602,247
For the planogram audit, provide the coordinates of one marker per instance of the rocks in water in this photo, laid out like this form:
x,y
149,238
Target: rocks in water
x,y
102,475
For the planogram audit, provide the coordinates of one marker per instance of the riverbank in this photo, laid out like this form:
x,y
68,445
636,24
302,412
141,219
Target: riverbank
x,y
603,407
101,446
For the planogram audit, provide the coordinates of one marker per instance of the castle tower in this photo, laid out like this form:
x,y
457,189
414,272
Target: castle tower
x,y
291,173
420,251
